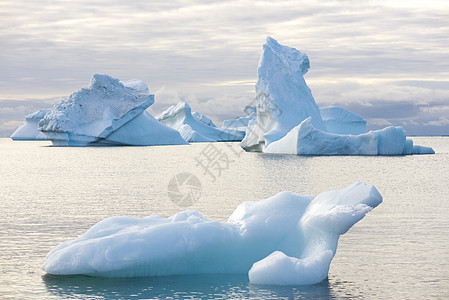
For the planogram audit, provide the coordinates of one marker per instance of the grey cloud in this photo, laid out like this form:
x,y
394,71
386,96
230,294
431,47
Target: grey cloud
x,y
385,109
53,47
437,85
414,117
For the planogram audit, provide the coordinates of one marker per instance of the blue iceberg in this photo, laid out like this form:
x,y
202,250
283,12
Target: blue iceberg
x,y
284,239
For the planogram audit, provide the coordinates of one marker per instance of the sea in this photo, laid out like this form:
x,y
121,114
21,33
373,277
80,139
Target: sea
x,y
49,195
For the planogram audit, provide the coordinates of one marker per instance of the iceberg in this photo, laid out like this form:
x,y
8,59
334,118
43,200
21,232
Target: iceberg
x,y
285,239
283,98
341,121
240,123
28,131
179,117
305,139
289,121
107,112
202,118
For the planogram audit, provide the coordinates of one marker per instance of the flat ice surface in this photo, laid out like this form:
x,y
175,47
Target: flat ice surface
x,y
284,239
28,131
179,117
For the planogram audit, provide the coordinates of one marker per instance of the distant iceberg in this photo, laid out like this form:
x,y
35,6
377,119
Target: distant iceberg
x,y
202,118
283,240
28,131
240,123
341,121
179,117
107,112
305,139
289,121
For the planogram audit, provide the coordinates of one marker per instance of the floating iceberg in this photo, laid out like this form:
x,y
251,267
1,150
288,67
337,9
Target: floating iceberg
x,y
289,121
285,239
28,131
341,121
107,112
240,123
179,117
283,98
202,118
305,139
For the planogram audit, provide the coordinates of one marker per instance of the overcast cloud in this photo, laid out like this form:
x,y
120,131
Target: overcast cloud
x,y
386,60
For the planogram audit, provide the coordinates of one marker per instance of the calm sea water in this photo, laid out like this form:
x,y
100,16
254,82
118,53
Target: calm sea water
x,y
49,195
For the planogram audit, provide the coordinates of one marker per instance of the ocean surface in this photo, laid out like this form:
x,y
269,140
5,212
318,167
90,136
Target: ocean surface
x,y
49,195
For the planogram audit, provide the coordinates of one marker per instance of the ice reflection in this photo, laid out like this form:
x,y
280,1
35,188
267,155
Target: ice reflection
x,y
208,286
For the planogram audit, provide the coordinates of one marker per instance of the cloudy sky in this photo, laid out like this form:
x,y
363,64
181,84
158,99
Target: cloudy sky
x,y
385,60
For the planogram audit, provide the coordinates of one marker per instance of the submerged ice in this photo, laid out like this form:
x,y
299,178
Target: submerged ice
x,y
284,239
289,121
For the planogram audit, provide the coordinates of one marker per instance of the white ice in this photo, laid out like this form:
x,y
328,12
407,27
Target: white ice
x,y
283,98
341,121
240,123
305,139
289,121
179,117
143,130
107,112
284,239
28,131
202,118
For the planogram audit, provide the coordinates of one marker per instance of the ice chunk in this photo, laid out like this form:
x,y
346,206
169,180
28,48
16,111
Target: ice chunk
x,y
188,134
341,121
328,216
143,130
422,150
416,149
28,131
258,236
179,115
280,269
202,118
283,98
107,107
305,139
241,123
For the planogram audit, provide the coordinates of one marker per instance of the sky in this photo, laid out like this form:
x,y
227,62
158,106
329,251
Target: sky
x,y
387,61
